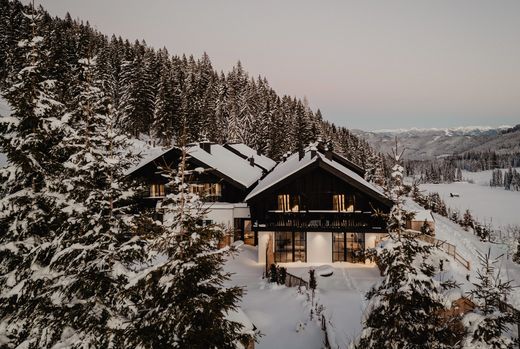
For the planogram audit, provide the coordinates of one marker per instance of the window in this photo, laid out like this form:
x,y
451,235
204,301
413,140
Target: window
x,y
290,246
288,203
157,190
343,203
207,191
283,202
348,247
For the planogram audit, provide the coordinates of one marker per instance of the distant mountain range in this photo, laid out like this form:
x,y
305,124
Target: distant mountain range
x,y
422,144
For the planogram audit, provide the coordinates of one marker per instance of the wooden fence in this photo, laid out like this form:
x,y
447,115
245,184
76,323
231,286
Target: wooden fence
x,y
295,281
450,249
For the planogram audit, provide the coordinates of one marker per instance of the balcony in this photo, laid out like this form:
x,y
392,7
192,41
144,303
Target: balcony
x,y
318,221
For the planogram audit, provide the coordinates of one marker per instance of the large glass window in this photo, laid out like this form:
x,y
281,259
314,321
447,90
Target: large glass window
x,y
157,190
348,247
207,191
288,203
290,246
343,203
338,247
249,234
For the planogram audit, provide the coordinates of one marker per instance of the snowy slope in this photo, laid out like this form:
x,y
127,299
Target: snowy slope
x,y
495,206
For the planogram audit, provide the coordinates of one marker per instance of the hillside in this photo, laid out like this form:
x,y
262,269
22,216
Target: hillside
x,y
159,95
427,144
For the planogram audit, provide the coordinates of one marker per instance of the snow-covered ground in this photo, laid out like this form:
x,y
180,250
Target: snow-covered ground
x,y
494,206
481,177
275,311
469,246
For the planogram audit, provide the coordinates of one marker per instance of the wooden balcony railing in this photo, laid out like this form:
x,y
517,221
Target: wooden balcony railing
x,y
320,221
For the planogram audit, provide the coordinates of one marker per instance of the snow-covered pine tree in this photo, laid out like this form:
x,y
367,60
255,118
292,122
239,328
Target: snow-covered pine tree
x,y
92,256
30,207
405,307
166,104
180,300
487,324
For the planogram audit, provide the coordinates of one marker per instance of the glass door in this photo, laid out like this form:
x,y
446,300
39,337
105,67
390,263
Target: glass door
x,y
290,246
338,247
355,247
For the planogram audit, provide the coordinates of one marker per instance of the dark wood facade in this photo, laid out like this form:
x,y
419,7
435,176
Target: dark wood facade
x,y
311,194
150,174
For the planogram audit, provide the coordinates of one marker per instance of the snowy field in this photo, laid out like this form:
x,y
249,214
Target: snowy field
x,y
496,206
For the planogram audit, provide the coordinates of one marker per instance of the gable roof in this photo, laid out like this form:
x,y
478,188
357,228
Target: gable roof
x,y
228,163
246,152
311,157
224,162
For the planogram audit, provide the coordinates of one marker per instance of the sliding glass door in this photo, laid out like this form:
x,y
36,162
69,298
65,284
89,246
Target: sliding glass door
x,y
290,246
348,247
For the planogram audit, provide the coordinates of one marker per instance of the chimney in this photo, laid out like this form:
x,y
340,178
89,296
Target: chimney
x,y
313,152
206,146
284,157
252,161
258,152
328,151
328,154
301,154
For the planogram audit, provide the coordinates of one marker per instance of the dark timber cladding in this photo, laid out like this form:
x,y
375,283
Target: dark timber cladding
x,y
316,204
311,193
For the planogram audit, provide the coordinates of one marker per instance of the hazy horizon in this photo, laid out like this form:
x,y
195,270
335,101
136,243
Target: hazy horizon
x,y
367,65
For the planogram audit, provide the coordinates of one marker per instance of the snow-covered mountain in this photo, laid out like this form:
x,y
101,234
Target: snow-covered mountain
x,y
436,142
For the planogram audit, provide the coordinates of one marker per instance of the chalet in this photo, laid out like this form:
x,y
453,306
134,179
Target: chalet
x,y
315,206
230,171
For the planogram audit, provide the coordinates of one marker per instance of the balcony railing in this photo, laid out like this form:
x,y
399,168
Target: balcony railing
x,y
320,221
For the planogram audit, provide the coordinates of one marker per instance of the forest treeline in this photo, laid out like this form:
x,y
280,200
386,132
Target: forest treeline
x,y
153,91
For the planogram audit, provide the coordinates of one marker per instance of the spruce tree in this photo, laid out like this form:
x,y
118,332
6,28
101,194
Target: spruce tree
x,y
405,308
30,207
93,254
487,324
180,300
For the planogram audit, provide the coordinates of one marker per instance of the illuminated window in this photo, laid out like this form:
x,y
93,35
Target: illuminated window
x,y
343,204
288,203
208,191
283,202
157,190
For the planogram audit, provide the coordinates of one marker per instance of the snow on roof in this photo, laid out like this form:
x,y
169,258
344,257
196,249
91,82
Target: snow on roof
x,y
423,215
283,170
260,160
293,164
227,163
148,154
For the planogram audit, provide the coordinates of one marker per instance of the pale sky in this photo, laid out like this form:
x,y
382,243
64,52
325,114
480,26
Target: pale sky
x,y
366,64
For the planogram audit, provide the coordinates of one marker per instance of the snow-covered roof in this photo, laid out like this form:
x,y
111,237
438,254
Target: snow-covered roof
x,y
218,158
148,154
228,163
423,215
260,160
294,164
